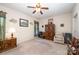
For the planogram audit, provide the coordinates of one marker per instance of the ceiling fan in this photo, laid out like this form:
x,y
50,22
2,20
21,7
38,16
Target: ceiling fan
x,y
38,7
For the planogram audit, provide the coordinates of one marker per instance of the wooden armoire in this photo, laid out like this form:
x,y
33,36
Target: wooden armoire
x,y
49,31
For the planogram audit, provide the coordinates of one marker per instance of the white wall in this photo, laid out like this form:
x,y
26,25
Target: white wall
x,y
75,21
22,33
64,18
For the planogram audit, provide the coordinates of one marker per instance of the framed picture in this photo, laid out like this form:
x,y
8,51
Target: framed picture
x,y
23,22
62,25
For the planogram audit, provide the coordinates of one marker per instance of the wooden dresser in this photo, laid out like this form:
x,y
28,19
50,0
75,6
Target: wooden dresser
x,y
8,44
49,31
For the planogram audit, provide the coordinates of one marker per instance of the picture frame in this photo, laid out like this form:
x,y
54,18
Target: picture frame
x,y
62,25
23,22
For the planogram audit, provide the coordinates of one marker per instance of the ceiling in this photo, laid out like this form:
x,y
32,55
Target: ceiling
x,y
54,9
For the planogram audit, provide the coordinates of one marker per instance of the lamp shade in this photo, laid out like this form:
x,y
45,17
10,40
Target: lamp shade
x,y
12,30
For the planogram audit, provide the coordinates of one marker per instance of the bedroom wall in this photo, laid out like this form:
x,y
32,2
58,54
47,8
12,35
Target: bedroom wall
x,y
22,33
64,18
75,21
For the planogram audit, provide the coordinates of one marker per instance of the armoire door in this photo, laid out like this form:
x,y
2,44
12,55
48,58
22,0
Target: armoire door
x,y
2,28
2,25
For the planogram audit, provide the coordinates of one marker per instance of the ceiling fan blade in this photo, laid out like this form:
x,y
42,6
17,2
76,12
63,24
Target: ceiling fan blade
x,y
41,12
34,11
30,7
45,8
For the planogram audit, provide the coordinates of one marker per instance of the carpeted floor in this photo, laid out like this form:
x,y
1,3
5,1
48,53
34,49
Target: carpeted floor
x,y
38,47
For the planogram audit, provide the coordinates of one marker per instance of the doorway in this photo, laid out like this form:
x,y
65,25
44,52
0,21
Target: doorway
x,y
36,28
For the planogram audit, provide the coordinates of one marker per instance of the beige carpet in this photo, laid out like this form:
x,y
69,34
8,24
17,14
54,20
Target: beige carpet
x,y
37,47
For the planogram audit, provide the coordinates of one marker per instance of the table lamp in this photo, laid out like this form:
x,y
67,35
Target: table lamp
x,y
12,31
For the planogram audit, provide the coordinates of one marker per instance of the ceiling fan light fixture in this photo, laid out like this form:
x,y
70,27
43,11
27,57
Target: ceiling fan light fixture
x,y
38,9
